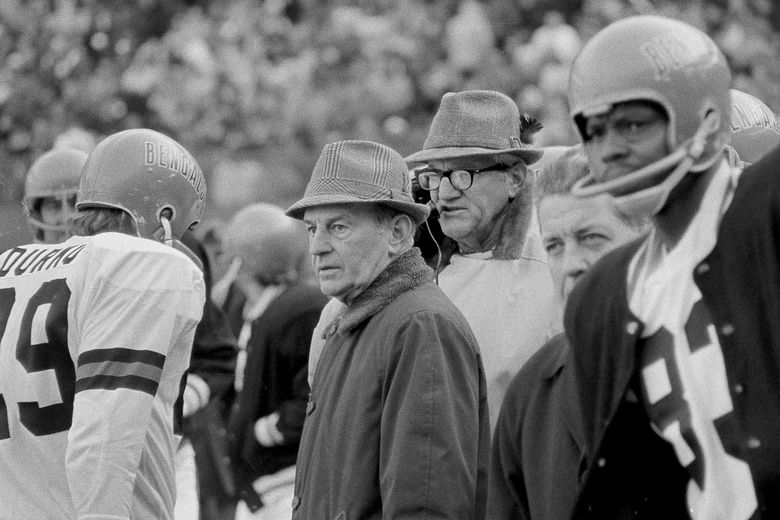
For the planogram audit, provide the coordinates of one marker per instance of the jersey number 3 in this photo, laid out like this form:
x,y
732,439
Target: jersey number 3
x,y
52,354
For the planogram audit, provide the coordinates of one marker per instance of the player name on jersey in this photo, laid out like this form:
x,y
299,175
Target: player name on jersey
x,y
23,260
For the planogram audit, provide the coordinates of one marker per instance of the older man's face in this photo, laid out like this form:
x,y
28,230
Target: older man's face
x,y
577,232
469,216
349,248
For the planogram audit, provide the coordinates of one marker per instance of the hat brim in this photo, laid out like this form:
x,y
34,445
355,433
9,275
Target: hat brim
x,y
527,155
418,212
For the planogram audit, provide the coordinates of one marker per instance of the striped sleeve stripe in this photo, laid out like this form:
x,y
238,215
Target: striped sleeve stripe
x,y
125,355
112,383
110,369
118,369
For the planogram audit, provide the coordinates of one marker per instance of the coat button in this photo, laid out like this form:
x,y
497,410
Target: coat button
x,y
753,443
727,329
702,268
296,501
310,406
632,327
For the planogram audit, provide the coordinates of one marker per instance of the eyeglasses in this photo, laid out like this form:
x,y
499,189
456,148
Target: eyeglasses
x,y
461,179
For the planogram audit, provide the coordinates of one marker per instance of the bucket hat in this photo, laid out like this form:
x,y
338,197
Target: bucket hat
x,y
476,123
360,172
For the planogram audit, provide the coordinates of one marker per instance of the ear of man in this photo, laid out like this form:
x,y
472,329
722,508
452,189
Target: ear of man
x,y
401,233
517,175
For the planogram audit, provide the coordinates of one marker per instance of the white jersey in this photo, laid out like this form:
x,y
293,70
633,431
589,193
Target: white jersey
x,y
684,386
95,339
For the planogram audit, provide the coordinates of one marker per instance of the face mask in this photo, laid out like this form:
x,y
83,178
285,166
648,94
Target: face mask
x,y
648,202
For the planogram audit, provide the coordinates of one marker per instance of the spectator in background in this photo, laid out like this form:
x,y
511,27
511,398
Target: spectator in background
x,y
754,128
543,66
279,311
396,423
50,194
212,239
538,454
478,176
468,38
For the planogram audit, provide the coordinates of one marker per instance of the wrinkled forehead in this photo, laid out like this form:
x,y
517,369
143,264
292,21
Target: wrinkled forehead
x,y
344,211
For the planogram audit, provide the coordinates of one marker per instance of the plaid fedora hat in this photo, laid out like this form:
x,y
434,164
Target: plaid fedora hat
x,y
476,123
360,171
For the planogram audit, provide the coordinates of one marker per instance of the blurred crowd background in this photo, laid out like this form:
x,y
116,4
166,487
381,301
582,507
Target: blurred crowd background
x,y
254,89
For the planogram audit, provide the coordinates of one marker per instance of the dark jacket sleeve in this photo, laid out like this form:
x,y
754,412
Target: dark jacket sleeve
x,y
214,348
433,424
275,381
537,457
213,359
507,495
286,387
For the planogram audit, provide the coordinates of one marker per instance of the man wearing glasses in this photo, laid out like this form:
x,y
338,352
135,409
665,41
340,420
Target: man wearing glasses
x,y
476,169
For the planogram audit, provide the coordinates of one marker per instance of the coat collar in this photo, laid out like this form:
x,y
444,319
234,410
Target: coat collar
x,y
559,362
402,274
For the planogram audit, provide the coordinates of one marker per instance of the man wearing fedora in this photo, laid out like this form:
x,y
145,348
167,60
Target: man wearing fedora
x,y
477,170
396,425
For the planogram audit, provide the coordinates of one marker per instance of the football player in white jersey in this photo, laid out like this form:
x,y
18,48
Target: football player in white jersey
x,y
678,333
50,193
95,339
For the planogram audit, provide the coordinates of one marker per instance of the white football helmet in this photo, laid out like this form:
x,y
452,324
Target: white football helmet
x,y
145,173
54,174
754,128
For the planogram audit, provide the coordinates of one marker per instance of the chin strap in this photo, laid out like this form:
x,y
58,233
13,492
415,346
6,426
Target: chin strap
x,y
168,239
167,231
650,201
588,187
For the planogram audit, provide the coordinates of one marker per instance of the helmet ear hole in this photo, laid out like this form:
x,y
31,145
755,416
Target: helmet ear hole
x,y
165,217
712,119
168,212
